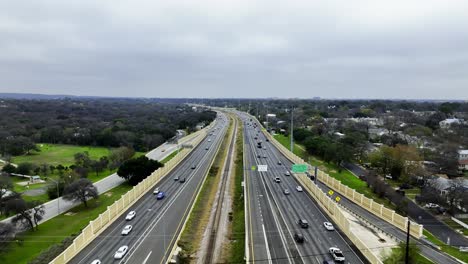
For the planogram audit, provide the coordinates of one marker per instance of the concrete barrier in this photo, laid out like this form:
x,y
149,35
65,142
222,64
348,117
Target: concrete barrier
x,y
98,225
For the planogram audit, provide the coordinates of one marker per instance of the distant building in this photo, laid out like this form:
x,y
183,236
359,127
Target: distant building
x,y
463,159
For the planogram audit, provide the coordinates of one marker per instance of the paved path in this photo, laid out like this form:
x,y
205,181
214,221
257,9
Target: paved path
x,y
59,206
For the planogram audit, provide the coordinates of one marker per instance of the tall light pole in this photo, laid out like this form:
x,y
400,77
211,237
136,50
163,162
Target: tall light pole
x,y
292,128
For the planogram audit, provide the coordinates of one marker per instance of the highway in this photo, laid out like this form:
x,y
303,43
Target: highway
x,y
272,216
158,222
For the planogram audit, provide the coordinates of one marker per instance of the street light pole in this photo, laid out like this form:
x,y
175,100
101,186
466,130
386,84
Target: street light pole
x,y
407,243
292,124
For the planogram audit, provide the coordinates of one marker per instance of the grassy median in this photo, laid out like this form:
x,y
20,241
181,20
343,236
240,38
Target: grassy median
x,y
200,215
236,247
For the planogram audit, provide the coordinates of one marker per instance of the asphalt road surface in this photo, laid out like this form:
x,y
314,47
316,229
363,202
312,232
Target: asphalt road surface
x,y
158,222
272,216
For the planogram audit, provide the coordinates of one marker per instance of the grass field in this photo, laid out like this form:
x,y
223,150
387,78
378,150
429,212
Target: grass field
x,y
60,227
453,251
55,154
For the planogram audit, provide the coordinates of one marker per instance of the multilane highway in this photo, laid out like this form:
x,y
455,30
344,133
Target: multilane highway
x,y
272,216
158,222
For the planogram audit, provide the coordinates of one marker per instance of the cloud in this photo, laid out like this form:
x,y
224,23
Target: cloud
x,y
236,48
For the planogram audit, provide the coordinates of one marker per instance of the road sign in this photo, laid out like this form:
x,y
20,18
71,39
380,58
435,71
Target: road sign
x,y
262,167
337,198
331,192
253,168
299,168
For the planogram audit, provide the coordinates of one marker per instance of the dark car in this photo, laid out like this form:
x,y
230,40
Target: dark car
x,y
182,180
328,261
194,166
303,223
299,238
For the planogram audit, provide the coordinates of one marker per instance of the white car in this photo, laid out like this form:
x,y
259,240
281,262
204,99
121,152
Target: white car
x,y
120,253
328,226
286,192
130,215
299,188
287,173
156,191
336,254
96,261
127,229
431,205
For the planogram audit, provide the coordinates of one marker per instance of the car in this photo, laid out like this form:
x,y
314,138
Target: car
x,y
176,178
156,191
163,150
264,156
160,196
277,180
303,223
299,238
328,261
255,138
279,162
207,148
264,147
431,205
287,173
267,140
286,192
182,180
336,254
120,253
390,177
127,229
194,166
329,226
96,261
299,188
209,140
130,215
258,156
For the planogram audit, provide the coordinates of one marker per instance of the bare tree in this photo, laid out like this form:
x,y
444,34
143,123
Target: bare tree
x,y
80,190
7,233
23,213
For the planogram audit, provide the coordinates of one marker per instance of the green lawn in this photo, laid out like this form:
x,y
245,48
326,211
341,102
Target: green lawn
x,y
455,226
453,251
55,230
299,150
55,154
168,158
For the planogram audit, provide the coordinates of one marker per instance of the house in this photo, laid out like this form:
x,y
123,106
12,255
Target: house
x,y
449,122
463,159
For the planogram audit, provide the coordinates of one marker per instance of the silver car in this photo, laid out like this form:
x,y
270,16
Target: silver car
x,y
127,229
120,253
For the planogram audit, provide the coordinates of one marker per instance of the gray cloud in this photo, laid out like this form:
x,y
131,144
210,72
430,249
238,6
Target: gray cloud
x,y
234,48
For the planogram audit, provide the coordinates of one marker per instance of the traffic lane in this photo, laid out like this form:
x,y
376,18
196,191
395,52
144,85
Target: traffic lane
x,y
256,235
155,251
144,214
299,205
183,167
336,237
276,251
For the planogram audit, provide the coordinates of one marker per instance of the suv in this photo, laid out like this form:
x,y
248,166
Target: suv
x,y
336,254
303,223
299,238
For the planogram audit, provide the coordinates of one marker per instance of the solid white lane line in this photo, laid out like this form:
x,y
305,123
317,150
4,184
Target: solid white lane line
x,y
147,257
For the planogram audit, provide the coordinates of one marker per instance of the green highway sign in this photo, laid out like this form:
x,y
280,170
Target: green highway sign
x,y
299,168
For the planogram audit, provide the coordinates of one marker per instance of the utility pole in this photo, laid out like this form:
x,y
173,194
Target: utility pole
x,y
407,243
291,134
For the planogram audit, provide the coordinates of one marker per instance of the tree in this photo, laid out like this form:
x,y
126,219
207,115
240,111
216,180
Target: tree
x,y
25,168
456,193
60,169
27,214
136,170
44,168
9,168
52,169
82,159
80,190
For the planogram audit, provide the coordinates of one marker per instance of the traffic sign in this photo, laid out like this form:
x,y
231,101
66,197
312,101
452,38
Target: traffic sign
x,y
299,168
262,167
253,168
331,192
337,198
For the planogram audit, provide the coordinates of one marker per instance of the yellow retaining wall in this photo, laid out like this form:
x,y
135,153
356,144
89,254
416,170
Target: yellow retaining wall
x,y
98,225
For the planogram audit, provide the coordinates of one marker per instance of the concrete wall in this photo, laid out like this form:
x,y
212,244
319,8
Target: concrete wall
x,y
98,225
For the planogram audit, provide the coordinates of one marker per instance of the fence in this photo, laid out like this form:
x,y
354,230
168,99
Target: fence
x,y
98,225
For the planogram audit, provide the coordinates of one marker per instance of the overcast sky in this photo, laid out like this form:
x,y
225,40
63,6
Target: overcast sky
x,y
233,48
